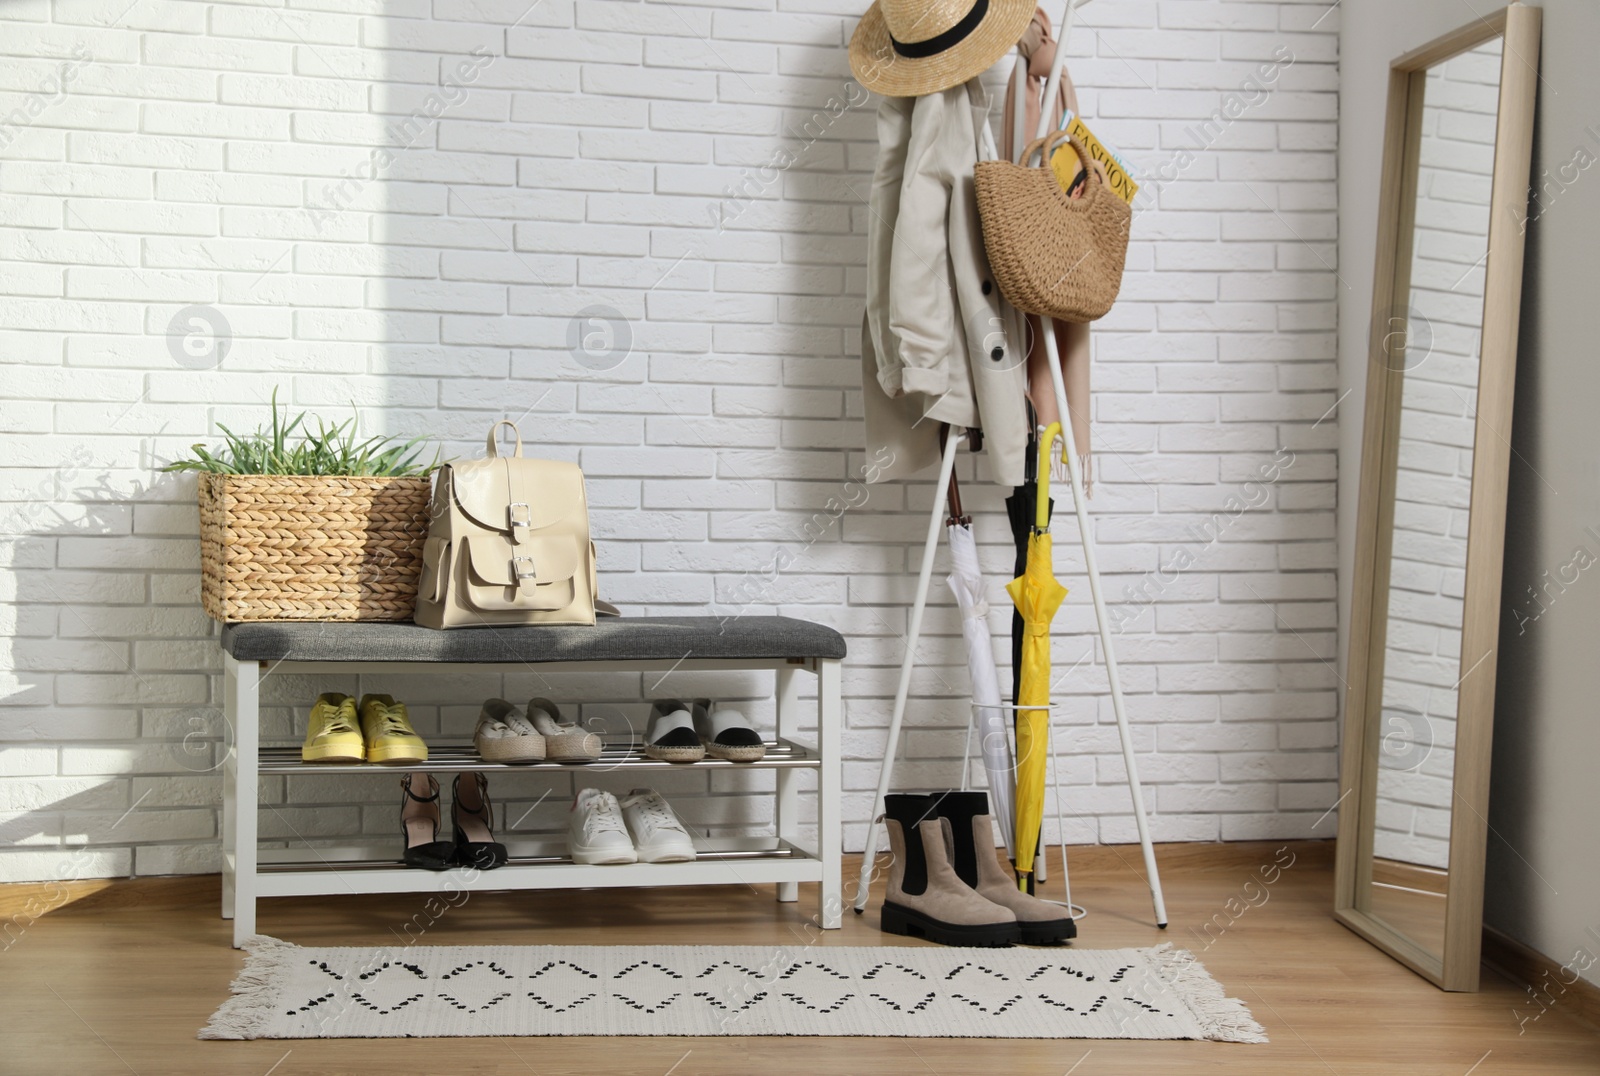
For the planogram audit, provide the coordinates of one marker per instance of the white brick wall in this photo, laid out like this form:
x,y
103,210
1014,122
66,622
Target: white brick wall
x,y
257,162
1433,481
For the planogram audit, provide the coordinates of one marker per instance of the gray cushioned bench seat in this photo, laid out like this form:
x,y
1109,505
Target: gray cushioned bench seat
x,y
612,639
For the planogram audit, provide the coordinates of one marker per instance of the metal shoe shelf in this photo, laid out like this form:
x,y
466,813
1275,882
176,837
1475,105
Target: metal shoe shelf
x,y
663,644
463,758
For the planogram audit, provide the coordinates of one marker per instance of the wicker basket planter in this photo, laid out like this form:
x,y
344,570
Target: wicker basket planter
x,y
298,547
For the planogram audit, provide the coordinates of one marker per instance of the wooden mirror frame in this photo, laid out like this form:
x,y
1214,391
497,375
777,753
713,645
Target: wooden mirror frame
x,y
1456,968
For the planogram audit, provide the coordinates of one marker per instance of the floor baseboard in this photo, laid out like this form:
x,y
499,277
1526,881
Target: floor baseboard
x,y
30,900
1544,978
1546,981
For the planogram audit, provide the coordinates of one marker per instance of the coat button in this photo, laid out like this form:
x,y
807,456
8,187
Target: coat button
x,y
987,287
998,353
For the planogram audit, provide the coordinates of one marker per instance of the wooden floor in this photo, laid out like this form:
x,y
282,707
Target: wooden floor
x,y
113,985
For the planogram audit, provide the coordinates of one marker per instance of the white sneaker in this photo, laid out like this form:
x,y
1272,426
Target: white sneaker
x,y
564,741
505,735
596,832
658,836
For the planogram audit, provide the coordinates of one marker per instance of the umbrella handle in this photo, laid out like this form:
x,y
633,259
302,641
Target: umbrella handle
x,y
953,491
1047,440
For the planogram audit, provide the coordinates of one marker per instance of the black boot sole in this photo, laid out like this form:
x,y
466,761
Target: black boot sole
x,y
911,924
1049,932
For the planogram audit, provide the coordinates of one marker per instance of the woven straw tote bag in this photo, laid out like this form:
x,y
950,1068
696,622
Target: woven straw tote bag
x,y
1052,254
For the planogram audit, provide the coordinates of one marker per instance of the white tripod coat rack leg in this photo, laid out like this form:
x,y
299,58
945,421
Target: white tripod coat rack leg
x,y
914,634
947,466
1092,569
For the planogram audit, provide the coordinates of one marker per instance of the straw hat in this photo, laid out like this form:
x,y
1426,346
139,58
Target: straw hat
x,y
909,48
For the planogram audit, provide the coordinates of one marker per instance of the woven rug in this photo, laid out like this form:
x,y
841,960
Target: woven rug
x,y
289,992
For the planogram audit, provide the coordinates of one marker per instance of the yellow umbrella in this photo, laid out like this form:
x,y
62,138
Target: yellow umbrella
x,y
1037,595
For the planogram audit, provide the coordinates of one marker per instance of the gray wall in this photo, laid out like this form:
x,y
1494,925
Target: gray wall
x,y
1543,884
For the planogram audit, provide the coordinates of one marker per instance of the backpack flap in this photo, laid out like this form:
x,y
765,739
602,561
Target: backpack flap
x,y
520,497
537,573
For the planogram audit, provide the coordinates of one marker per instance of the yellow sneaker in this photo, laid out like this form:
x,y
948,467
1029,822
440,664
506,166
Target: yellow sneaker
x,y
390,738
333,735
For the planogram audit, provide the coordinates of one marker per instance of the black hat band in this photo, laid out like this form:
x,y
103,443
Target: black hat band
x,y
919,50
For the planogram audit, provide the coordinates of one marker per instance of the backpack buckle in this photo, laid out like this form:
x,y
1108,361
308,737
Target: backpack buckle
x,y
516,518
522,568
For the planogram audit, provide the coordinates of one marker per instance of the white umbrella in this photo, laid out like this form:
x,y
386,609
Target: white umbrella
x,y
966,582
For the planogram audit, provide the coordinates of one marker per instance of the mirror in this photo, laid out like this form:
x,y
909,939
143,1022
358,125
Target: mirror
x,y
1431,519
1438,358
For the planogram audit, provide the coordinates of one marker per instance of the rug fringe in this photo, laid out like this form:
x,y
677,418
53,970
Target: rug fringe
x,y
1224,1019
243,1015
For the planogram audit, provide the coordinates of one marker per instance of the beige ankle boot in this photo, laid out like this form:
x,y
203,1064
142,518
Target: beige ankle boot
x,y
976,863
925,897
1041,922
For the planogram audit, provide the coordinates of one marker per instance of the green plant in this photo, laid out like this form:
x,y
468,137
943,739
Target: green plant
x,y
331,450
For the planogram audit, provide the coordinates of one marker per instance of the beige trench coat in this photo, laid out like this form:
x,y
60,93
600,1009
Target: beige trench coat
x,y
938,344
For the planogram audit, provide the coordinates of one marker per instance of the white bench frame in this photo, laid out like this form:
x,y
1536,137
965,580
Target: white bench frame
x,y
244,881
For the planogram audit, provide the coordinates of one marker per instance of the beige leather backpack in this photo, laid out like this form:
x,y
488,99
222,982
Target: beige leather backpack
x,y
508,543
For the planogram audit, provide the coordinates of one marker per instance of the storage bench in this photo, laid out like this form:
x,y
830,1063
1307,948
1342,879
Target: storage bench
x,y
254,651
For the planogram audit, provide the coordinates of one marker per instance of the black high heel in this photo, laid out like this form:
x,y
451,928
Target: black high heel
x,y
419,828
475,844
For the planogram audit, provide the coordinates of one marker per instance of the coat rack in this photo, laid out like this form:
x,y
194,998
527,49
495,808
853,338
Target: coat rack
x,y
1091,566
